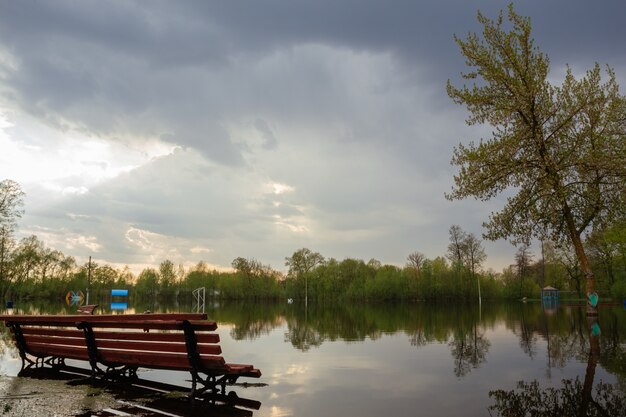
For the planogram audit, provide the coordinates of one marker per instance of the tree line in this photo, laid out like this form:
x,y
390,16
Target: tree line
x,y
30,269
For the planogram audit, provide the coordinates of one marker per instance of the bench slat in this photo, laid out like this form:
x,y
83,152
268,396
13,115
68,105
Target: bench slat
x,y
158,360
103,335
60,332
154,324
47,340
75,318
43,350
155,346
156,337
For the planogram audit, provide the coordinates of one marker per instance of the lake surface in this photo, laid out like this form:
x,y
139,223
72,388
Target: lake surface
x,y
402,360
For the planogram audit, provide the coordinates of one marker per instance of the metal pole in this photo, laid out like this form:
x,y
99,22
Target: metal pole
x,y
88,280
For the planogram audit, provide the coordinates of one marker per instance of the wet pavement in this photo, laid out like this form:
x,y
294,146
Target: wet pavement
x,y
46,392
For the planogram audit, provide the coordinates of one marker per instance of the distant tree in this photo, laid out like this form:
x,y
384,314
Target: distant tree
x,y
301,263
474,255
259,278
455,248
147,283
523,259
26,258
416,261
561,149
167,276
375,264
11,202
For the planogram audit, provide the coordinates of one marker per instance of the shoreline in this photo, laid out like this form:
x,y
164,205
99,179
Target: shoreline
x,y
27,396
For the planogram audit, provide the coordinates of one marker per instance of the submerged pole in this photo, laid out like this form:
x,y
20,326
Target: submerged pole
x,y
88,280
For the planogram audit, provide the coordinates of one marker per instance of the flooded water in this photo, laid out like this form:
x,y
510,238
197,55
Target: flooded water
x,y
406,360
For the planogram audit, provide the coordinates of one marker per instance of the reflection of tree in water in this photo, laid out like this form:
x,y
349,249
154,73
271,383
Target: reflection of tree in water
x,y
303,336
469,350
253,329
567,400
573,398
419,338
311,327
528,339
250,320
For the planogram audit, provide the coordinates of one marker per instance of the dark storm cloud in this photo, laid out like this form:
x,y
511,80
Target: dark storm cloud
x,y
343,101
106,64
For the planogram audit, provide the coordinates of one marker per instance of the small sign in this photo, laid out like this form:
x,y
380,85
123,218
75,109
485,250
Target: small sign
x,y
595,329
593,299
74,297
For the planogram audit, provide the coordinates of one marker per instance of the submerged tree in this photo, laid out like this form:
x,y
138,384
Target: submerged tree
x,y
560,149
301,263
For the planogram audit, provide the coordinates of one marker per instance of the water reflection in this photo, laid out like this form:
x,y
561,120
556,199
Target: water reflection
x,y
573,398
469,350
365,359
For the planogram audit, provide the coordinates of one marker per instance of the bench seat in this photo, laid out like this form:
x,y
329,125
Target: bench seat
x,y
116,345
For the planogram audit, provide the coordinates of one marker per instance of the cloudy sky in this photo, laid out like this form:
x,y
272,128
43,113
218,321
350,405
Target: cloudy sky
x,y
207,130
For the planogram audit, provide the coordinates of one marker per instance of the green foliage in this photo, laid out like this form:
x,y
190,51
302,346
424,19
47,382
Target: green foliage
x,y
618,290
568,400
559,149
33,270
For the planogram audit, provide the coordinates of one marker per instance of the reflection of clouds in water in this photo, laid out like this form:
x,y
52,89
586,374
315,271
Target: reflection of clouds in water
x,y
294,380
297,369
280,412
10,362
294,369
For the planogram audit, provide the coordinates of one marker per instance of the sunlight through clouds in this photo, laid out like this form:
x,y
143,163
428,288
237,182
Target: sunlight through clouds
x,y
281,188
68,161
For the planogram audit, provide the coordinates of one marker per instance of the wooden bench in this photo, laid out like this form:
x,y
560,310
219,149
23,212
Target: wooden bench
x,y
116,345
87,309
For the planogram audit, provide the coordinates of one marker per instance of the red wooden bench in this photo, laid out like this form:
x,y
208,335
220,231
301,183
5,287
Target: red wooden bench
x,y
116,345
87,309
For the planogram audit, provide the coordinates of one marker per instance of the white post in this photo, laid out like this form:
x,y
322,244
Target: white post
x,y
88,280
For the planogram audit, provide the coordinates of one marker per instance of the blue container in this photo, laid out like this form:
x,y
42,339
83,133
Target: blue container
x,y
10,304
119,293
624,303
119,306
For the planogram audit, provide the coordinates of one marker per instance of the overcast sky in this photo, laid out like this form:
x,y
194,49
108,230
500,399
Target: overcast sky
x,y
208,130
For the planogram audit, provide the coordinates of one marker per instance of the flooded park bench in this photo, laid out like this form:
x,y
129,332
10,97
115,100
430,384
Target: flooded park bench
x,y
87,309
116,345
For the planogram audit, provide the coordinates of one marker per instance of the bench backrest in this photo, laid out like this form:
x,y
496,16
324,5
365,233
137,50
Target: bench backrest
x,y
165,341
170,344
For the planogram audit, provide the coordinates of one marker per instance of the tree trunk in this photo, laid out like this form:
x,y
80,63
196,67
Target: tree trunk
x,y
585,266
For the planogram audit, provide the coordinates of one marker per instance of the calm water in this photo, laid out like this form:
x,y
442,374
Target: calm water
x,y
403,360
